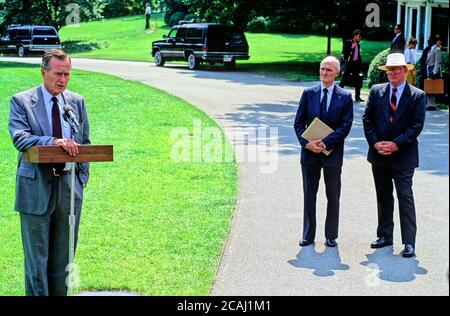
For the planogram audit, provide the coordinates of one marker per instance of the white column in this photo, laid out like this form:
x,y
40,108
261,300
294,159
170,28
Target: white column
x,y
399,12
427,30
406,26
418,30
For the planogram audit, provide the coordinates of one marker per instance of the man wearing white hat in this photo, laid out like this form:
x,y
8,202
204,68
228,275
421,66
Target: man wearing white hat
x,y
393,120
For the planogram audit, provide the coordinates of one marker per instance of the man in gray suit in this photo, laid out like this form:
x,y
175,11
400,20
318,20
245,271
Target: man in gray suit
x,y
43,190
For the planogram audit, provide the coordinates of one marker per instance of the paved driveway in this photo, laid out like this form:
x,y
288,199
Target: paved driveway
x,y
262,256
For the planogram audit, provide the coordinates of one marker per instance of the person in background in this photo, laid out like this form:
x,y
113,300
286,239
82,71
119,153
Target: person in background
x,y
148,14
352,56
398,42
423,62
410,57
434,59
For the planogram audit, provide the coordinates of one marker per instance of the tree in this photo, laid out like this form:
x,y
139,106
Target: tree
x,y
49,12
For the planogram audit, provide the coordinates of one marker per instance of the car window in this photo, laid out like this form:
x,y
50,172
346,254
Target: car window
x,y
194,33
172,33
181,32
46,31
5,37
228,34
23,33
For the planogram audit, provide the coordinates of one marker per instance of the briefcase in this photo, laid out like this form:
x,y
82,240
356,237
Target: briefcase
x,y
434,86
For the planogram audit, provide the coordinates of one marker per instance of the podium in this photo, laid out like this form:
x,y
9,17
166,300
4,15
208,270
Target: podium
x,y
56,154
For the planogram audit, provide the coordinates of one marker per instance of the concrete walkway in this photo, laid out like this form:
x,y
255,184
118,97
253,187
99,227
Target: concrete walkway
x,y
262,256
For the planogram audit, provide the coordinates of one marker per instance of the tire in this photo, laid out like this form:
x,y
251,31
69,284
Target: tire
x,y
20,51
230,65
159,59
192,62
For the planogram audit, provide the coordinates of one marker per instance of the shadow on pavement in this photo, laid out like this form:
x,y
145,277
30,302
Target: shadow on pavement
x,y
384,265
433,142
323,263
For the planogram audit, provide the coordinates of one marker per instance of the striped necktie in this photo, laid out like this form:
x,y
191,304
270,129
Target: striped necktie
x,y
393,105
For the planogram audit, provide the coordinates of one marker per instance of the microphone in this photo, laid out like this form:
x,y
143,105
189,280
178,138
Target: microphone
x,y
70,118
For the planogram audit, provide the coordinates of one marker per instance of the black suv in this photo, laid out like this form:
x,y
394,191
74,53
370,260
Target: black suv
x,y
22,38
205,42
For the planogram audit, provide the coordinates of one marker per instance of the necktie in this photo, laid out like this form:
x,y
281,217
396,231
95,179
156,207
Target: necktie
x,y
57,130
393,105
323,104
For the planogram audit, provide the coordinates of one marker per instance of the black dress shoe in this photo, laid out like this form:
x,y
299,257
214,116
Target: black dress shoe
x,y
330,243
305,242
431,108
408,252
381,242
359,100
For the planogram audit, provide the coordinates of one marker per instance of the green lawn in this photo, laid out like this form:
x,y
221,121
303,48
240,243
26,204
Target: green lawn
x,y
294,57
148,224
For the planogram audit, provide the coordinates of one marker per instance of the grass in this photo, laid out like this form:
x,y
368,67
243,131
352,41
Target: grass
x,y
295,57
148,224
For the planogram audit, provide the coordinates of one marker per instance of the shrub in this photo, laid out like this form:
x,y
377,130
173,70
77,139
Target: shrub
x,y
77,46
444,65
191,17
375,75
258,24
176,17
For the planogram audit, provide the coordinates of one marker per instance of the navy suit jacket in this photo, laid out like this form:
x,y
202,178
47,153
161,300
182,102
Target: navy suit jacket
x,y
407,126
339,117
398,45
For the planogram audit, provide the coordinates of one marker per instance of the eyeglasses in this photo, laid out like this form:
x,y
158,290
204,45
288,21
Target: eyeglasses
x,y
394,70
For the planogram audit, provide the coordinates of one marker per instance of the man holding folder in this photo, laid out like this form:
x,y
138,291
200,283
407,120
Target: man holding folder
x,y
334,107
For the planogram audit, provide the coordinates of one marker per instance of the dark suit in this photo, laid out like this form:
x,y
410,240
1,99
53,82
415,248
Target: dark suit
x,y
351,75
399,167
43,199
423,66
339,117
398,44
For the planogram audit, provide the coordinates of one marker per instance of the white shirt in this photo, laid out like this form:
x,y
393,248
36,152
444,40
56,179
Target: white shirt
x,y
329,95
399,92
410,56
65,127
148,10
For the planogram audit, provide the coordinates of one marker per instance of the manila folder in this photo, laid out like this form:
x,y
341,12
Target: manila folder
x,y
317,130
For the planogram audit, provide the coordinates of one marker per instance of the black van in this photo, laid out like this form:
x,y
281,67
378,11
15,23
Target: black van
x,y
22,38
202,42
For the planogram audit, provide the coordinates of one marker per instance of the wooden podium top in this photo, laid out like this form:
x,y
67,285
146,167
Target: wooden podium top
x,y
56,154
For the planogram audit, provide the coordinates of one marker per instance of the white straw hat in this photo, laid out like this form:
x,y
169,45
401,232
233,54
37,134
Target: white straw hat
x,y
396,60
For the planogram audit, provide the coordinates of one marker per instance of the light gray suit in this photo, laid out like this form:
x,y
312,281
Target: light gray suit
x,y
43,199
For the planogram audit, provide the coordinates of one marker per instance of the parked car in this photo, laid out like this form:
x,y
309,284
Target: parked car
x,y
29,38
202,43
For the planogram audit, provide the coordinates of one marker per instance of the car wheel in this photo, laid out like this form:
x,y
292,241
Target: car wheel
x,y
192,62
230,65
20,51
159,59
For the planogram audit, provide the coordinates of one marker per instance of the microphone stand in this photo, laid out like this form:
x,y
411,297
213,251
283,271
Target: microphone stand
x,y
70,268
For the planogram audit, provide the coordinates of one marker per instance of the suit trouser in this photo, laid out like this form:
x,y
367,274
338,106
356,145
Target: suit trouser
x,y
402,178
45,240
351,78
147,21
311,178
